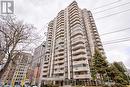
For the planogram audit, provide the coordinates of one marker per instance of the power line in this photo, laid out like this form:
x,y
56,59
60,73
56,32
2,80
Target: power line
x,y
106,5
127,39
116,42
113,14
115,31
119,39
111,8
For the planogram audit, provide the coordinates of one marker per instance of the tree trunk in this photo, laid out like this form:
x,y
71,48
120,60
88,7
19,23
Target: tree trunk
x,y
3,70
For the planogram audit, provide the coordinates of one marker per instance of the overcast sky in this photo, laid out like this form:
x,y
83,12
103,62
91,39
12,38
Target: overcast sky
x,y
40,12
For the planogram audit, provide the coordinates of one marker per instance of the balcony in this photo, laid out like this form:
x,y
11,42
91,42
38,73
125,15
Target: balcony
x,y
98,40
80,62
74,18
100,47
79,51
97,37
58,46
96,33
60,30
77,22
60,42
46,62
78,33
75,31
59,49
45,65
58,53
73,9
82,76
58,66
60,36
44,73
45,69
58,71
60,57
59,33
59,61
79,57
78,46
76,42
99,44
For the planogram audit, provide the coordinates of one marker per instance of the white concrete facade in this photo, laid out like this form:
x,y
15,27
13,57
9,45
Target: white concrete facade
x,y
72,37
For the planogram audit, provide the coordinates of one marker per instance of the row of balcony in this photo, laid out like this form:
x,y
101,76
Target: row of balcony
x,y
76,33
76,28
73,14
44,73
77,22
83,56
60,33
74,25
58,53
60,57
59,36
82,76
60,30
78,46
80,69
80,62
74,20
61,22
79,51
59,25
73,5
59,61
76,42
45,69
73,8
58,71
59,17
59,66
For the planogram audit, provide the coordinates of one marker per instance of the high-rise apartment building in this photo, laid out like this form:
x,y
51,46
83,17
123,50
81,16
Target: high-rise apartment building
x,y
22,66
38,57
71,40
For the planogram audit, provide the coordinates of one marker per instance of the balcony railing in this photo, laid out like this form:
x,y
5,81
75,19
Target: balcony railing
x,y
79,51
59,61
79,57
82,76
80,62
59,66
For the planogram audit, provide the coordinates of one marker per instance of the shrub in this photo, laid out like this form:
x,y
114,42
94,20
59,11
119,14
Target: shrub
x,y
118,85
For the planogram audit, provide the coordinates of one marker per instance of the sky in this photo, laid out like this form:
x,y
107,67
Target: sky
x,y
40,12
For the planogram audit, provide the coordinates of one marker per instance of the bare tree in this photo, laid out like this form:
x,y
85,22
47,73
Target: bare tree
x,y
14,34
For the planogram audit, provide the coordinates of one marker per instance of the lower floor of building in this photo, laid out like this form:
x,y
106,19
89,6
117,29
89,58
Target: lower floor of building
x,y
73,82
